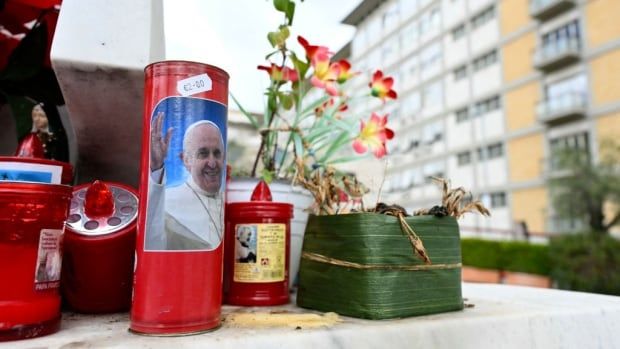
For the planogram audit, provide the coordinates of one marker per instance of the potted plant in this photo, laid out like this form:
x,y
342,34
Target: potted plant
x,y
382,263
306,123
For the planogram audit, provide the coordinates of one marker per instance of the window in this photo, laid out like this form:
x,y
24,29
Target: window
x,y
462,115
432,95
460,73
389,19
414,143
483,17
389,50
374,58
485,60
409,70
435,18
498,199
373,30
409,36
481,154
463,158
458,32
486,106
559,36
578,143
433,169
430,21
432,132
576,84
360,41
411,105
495,151
491,151
430,58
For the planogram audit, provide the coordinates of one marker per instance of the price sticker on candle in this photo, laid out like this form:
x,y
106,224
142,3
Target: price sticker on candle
x,y
195,84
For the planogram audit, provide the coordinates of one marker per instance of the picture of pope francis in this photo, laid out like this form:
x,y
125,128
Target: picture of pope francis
x,y
189,216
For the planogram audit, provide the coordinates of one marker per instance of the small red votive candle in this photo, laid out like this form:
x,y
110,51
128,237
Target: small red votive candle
x,y
32,218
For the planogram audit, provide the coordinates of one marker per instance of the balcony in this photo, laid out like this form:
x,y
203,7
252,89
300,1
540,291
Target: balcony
x,y
557,54
545,9
565,107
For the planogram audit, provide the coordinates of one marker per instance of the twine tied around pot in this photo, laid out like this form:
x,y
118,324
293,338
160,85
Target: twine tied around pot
x,y
400,213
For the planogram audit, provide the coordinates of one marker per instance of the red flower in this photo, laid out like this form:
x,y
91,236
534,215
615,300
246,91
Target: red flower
x,y
382,86
373,135
278,74
345,71
312,50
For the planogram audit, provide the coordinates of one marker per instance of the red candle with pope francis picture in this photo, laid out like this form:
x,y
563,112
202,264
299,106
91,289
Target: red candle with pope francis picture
x,y
179,248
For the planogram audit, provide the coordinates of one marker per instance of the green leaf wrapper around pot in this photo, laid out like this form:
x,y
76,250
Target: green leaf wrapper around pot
x,y
387,280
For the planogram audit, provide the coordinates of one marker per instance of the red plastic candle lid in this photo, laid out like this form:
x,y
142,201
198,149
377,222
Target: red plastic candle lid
x,y
261,205
102,208
98,201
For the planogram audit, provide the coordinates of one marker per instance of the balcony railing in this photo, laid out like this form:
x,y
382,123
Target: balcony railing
x,y
560,108
545,9
557,54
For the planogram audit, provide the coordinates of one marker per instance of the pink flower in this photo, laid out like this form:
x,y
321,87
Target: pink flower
x,y
325,74
373,135
382,86
278,74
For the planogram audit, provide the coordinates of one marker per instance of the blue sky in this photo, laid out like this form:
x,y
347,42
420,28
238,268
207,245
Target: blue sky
x,y
232,35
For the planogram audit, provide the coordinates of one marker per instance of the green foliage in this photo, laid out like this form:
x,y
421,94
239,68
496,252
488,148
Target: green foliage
x,y
278,38
286,6
481,253
583,187
524,257
267,176
586,262
514,256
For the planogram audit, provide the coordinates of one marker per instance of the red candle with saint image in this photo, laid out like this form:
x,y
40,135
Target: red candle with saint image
x,y
99,248
32,218
256,268
178,277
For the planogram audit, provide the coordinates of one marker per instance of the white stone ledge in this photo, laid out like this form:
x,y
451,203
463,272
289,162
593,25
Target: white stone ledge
x,y
503,317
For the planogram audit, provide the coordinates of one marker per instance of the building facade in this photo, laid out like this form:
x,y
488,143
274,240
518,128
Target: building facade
x,y
488,91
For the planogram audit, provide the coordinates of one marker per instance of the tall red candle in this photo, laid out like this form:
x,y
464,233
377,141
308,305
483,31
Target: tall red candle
x,y
31,230
178,277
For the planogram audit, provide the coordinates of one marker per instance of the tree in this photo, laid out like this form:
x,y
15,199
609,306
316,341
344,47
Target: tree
x,y
583,187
